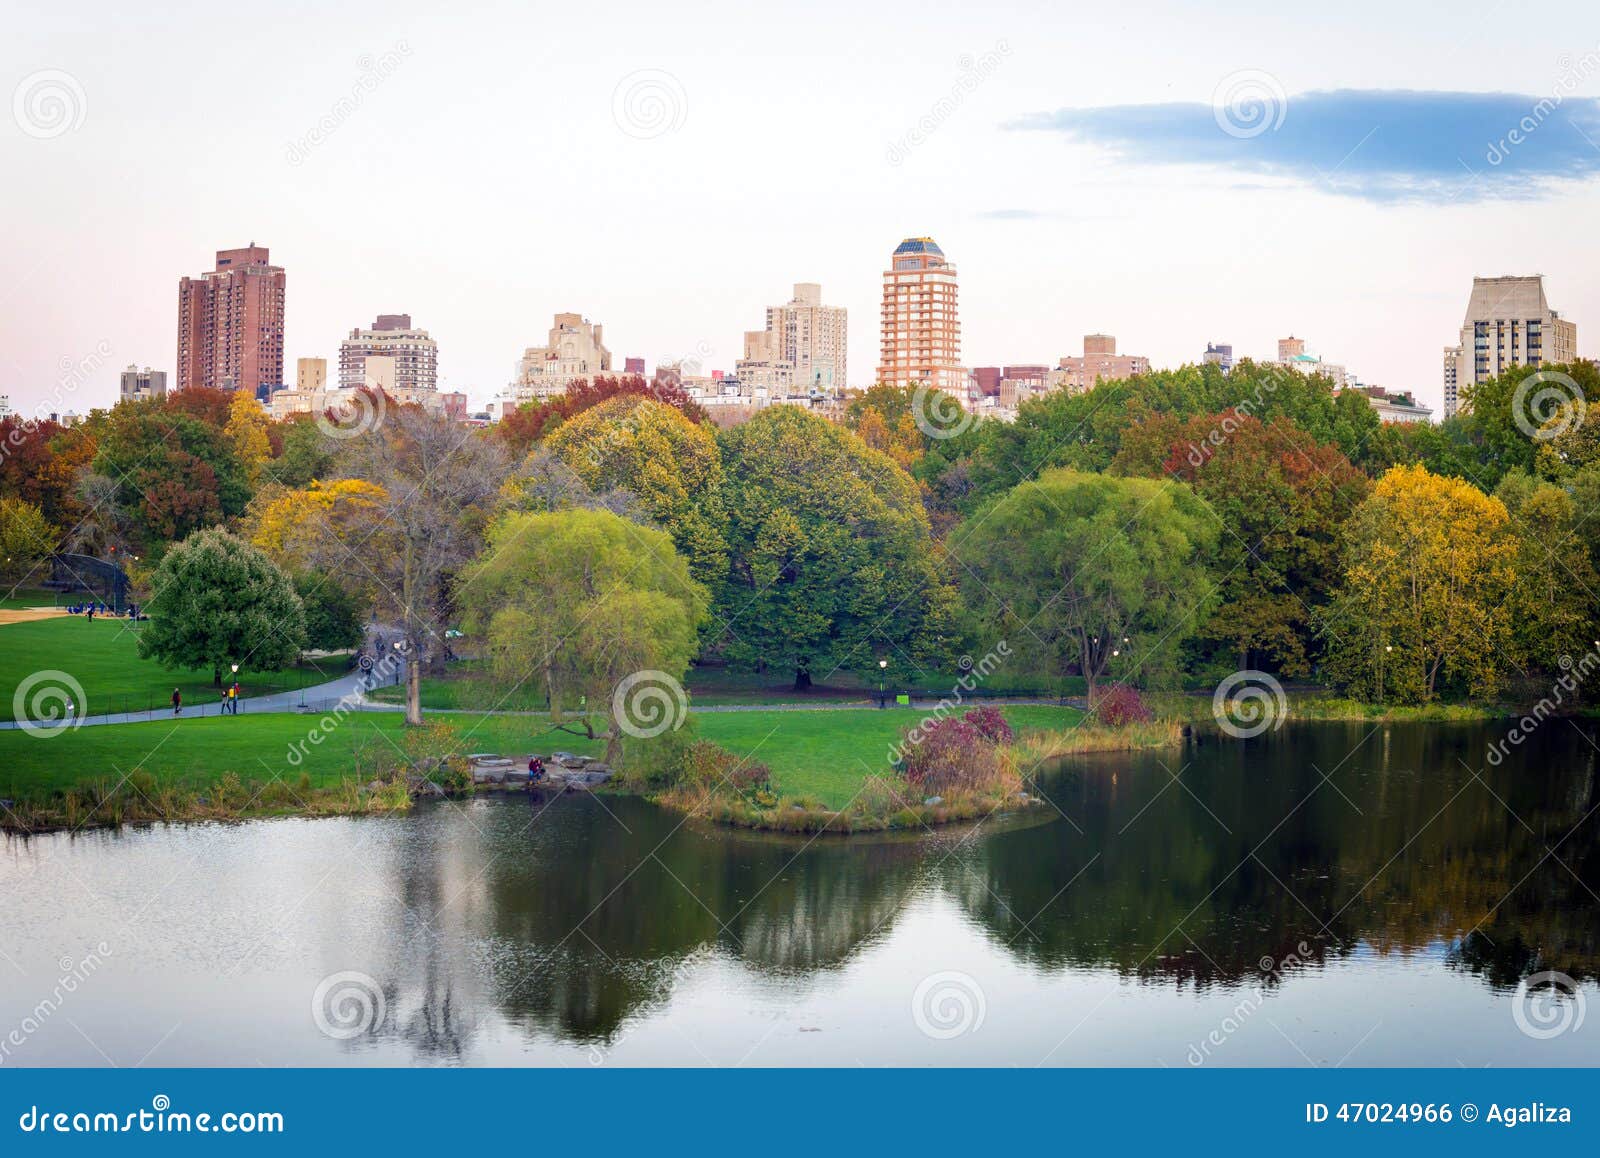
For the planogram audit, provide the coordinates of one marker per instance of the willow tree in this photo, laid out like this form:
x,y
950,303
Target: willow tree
x,y
581,601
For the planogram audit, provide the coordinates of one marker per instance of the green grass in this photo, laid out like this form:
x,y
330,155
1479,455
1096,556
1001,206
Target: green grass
x,y
469,686
195,753
26,598
823,755
103,658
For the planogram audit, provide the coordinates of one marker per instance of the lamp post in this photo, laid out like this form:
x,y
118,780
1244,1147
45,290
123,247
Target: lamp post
x,y
883,694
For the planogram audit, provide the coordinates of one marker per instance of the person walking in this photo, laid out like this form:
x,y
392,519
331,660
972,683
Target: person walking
x,y
232,706
177,701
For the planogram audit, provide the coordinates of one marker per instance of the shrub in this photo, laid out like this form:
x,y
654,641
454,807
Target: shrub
x,y
991,724
750,776
951,755
1120,706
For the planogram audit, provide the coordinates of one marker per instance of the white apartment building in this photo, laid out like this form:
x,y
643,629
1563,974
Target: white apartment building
x,y
415,355
803,347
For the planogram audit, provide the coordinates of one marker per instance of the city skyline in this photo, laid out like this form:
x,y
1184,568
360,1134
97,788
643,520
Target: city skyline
x,y
1094,229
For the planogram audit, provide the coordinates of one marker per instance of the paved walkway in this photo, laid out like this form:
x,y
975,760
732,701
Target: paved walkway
x,y
320,697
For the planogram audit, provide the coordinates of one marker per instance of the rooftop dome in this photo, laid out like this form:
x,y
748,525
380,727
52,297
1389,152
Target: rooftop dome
x,y
918,245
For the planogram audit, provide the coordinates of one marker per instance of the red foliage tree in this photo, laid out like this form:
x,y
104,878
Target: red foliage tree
x,y
531,423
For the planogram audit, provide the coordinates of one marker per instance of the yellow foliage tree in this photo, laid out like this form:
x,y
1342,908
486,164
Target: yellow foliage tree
x,y
247,430
1423,607
298,529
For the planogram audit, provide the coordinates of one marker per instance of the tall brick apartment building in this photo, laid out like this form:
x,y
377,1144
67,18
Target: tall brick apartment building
x,y
230,324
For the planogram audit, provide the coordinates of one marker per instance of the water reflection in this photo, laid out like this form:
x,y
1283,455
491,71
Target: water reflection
x,y
520,929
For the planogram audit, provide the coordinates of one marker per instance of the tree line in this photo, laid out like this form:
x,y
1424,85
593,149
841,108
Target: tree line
x,y
1164,529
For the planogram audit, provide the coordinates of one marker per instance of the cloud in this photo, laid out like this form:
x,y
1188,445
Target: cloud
x,y
1379,145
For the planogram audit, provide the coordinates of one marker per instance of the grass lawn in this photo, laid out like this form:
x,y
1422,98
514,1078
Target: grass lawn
x,y
103,657
25,598
468,686
823,754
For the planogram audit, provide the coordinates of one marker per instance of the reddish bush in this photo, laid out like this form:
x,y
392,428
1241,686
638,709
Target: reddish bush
x,y
949,754
991,725
1121,705
750,775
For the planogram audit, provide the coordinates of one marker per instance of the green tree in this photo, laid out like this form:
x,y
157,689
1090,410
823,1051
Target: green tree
x,y
1423,606
581,600
832,560
1557,590
26,540
668,463
218,601
334,618
1091,572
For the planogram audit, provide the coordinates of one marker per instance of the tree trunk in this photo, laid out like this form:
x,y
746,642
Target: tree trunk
x,y
553,697
802,679
413,691
613,745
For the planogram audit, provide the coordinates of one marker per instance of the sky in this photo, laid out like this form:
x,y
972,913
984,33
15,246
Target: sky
x,y
1171,174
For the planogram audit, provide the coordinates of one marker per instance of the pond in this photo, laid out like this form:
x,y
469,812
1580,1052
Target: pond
x,y
1327,894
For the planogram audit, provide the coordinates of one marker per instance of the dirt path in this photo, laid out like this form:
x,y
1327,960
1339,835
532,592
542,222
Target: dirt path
x,y
28,614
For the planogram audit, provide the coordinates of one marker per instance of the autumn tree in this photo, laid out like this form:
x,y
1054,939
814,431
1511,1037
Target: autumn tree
x,y
832,559
435,485
317,527
581,600
533,422
1281,500
670,465
1088,572
26,540
1423,603
246,429
173,473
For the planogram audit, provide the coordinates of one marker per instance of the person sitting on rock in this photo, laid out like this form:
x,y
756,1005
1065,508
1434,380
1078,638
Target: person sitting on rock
x,y
535,770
